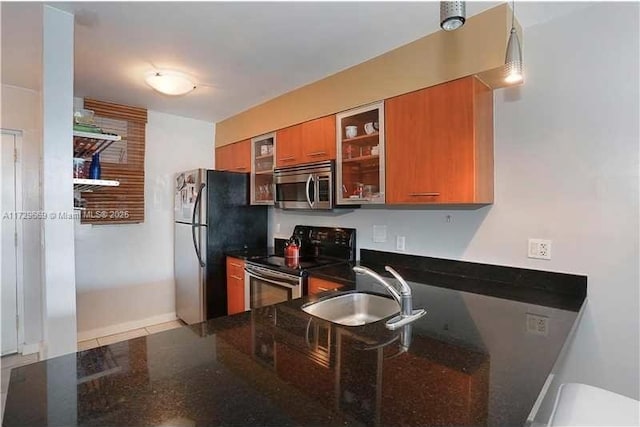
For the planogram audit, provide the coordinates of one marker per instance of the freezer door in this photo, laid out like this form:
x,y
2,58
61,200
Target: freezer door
x,y
189,272
190,194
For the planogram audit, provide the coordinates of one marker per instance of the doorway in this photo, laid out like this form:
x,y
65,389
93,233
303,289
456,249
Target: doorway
x,y
11,245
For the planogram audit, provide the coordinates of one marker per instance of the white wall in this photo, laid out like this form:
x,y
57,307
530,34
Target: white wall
x,y
566,169
21,111
124,273
57,183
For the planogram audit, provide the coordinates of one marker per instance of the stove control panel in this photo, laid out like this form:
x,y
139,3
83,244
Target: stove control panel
x,y
335,242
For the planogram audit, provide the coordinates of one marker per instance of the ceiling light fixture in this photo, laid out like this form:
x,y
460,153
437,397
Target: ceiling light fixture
x,y
452,14
513,57
170,82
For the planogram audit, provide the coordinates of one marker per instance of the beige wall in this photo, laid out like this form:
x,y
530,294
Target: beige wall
x,y
439,57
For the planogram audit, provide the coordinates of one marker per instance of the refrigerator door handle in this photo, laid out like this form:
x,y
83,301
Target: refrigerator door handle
x,y
194,226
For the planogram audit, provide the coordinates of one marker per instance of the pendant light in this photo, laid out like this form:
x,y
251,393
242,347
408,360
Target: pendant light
x,y
170,82
452,15
513,57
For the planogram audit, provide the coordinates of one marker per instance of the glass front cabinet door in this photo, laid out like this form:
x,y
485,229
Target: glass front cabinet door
x,y
360,155
262,155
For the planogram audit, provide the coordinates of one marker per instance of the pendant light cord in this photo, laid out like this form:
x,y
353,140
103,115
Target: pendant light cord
x,y
513,13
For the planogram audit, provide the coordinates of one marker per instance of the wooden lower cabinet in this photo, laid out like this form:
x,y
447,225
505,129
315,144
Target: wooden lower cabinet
x,y
317,286
235,286
439,145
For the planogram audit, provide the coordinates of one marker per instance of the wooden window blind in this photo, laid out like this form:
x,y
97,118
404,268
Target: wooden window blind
x,y
123,161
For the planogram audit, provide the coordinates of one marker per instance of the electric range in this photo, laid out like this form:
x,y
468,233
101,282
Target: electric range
x,y
273,279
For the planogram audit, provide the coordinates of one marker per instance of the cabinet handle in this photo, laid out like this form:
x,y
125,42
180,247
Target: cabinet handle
x,y
287,159
317,153
241,168
235,264
236,277
323,289
423,194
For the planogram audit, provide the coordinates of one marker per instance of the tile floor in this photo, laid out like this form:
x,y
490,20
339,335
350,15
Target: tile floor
x,y
123,336
15,360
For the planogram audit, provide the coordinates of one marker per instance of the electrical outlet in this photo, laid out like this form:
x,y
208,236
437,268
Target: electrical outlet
x,y
400,241
379,233
539,249
537,324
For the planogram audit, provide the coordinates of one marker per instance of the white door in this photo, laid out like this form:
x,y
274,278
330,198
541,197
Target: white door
x,y
8,252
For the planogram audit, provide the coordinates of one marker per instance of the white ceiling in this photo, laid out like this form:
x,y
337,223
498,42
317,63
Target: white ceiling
x,y
240,53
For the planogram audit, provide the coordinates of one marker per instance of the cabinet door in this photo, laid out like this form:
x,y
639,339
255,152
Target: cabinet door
x,y
235,286
433,152
317,286
224,158
360,155
319,139
242,156
288,151
262,149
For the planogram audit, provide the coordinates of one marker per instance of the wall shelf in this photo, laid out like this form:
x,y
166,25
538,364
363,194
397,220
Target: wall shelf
x,y
86,144
82,185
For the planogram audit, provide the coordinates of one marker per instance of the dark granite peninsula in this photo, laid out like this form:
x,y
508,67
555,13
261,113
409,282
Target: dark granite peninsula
x,y
472,360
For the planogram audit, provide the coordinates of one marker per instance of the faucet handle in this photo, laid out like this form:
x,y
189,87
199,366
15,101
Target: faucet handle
x,y
405,286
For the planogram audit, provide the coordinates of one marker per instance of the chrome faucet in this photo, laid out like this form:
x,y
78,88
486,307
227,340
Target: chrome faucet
x,y
402,297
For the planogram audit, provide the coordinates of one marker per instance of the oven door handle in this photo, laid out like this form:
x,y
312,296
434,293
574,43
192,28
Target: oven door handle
x,y
270,279
309,179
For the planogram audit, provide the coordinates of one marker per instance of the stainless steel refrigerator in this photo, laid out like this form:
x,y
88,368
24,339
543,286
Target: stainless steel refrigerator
x,y
212,215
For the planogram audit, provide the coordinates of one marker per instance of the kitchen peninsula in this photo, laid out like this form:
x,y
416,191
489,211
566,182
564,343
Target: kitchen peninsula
x,y
476,358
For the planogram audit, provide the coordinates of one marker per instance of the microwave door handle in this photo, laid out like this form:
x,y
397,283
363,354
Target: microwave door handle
x,y
309,179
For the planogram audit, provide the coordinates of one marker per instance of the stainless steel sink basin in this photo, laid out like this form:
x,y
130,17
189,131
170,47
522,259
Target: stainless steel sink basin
x,y
353,309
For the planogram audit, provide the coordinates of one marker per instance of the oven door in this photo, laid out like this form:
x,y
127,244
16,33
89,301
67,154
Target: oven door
x,y
268,287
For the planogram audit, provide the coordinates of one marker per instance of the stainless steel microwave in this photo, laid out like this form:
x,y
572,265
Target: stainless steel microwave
x,y
309,186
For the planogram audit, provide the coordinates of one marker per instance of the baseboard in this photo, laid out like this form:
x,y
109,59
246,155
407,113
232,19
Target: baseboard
x,y
30,348
126,326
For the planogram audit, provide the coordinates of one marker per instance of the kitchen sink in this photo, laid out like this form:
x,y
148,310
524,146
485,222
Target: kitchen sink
x,y
353,309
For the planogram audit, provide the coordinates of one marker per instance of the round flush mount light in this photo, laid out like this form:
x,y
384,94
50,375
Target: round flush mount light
x,y
452,15
170,82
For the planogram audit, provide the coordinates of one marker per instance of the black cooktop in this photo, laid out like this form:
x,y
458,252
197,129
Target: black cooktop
x,y
281,264
319,246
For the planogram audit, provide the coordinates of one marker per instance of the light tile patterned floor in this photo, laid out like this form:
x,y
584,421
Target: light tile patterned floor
x,y
123,336
9,362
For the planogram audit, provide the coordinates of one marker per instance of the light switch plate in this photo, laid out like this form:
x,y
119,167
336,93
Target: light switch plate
x,y
379,233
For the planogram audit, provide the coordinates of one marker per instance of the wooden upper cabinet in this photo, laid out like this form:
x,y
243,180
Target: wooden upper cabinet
x,y
307,142
439,145
288,146
319,139
224,158
234,157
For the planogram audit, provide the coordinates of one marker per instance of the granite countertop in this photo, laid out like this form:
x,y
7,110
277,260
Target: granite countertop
x,y
470,361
